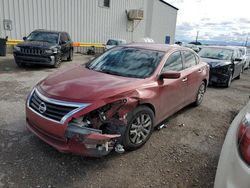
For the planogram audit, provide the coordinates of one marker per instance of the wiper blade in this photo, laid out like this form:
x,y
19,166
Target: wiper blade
x,y
210,57
109,72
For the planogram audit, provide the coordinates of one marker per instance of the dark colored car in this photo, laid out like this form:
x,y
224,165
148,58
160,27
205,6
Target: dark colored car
x,y
45,48
116,99
225,64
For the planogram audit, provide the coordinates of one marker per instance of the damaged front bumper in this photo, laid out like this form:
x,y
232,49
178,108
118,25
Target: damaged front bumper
x,y
78,140
90,131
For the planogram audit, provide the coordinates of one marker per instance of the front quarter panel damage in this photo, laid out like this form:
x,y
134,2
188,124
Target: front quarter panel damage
x,y
102,129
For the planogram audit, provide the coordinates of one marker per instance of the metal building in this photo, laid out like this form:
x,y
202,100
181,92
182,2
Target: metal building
x,y
90,20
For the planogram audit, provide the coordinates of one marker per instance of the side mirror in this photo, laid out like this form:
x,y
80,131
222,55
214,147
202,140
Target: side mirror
x,y
24,38
238,59
170,75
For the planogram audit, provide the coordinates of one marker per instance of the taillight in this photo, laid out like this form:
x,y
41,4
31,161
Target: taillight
x,y
244,138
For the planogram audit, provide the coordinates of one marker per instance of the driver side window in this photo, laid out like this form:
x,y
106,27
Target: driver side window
x,y
173,63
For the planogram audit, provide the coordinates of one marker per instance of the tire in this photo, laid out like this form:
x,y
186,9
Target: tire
x,y
20,65
70,58
229,81
200,94
137,133
58,61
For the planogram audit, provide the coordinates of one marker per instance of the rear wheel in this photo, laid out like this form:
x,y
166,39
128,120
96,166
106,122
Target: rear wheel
x,y
200,94
139,128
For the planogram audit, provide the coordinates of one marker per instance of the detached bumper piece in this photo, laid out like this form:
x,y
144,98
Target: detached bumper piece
x,y
96,143
78,140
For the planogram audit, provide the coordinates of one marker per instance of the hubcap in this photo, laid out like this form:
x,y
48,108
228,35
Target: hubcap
x,y
201,92
140,128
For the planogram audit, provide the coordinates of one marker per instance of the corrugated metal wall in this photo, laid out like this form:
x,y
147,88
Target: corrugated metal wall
x,y
85,20
164,21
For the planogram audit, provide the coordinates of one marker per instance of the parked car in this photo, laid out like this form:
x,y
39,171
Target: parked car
x,y
115,100
145,40
111,43
192,46
45,48
244,56
225,64
233,168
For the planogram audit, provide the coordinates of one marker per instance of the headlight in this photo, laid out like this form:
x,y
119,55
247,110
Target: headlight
x,y
223,69
16,49
103,114
51,51
48,51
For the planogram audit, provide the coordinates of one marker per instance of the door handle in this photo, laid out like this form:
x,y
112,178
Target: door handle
x,y
184,79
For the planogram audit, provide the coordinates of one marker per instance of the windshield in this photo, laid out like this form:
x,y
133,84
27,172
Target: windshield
x,y
43,36
127,62
216,53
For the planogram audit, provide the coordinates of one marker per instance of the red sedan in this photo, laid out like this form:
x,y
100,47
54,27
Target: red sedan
x,y
115,100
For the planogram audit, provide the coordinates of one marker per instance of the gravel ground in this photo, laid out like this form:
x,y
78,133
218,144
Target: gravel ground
x,y
184,154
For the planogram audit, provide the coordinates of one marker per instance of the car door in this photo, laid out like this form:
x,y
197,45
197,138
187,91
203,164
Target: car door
x,y
237,64
64,44
193,71
172,91
69,43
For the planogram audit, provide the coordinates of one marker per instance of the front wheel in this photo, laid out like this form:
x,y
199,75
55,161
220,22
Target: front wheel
x,y
200,94
70,57
20,65
238,77
58,61
229,81
139,128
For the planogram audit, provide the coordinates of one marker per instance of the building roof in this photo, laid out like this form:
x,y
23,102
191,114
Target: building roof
x,y
163,1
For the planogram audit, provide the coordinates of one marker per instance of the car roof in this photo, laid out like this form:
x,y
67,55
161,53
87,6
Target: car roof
x,y
116,39
155,46
221,47
48,31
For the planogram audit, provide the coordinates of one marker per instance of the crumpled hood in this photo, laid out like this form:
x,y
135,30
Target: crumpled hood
x,y
215,62
83,85
37,44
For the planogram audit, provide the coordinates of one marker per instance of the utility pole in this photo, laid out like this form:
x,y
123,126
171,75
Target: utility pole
x,y
246,41
197,35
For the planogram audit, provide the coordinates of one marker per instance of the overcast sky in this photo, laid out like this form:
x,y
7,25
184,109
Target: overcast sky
x,y
218,20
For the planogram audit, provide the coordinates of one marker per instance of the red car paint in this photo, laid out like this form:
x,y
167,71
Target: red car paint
x,y
81,85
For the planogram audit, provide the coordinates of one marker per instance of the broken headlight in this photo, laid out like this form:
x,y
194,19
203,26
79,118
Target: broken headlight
x,y
100,115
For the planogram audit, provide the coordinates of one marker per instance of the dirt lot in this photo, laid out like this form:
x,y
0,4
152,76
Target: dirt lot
x,y
181,155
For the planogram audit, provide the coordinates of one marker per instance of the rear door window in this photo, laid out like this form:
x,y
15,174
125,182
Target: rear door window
x,y
190,59
173,63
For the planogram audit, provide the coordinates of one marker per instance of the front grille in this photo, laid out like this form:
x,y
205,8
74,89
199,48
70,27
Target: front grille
x,y
49,109
32,51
